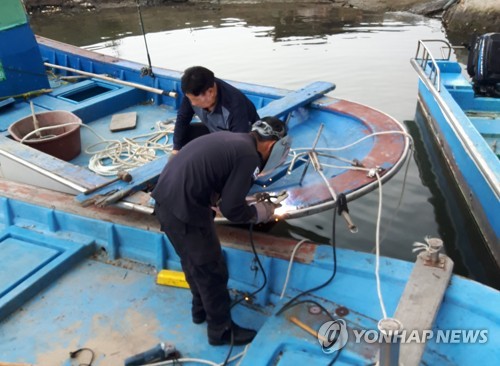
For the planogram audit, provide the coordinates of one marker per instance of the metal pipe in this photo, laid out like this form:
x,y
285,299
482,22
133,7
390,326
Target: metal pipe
x,y
116,81
390,329
43,171
312,149
435,245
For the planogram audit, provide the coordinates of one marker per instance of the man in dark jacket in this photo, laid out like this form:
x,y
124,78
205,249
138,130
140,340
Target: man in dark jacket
x,y
219,106
219,167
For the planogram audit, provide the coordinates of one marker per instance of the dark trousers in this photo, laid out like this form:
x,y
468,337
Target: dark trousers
x,y
205,269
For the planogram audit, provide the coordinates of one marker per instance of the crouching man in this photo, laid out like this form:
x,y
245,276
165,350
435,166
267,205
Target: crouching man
x,y
220,165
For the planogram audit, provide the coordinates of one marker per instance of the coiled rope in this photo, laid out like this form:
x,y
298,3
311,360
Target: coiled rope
x,y
119,155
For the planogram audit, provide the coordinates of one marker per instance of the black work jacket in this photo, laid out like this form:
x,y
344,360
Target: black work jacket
x,y
233,112
221,164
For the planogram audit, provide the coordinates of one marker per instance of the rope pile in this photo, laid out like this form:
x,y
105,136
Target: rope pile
x,y
119,155
131,152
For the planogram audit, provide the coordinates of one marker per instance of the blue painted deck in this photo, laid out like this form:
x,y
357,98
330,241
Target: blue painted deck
x,y
110,302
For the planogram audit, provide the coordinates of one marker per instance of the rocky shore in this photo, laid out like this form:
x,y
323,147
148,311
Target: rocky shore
x,y
459,16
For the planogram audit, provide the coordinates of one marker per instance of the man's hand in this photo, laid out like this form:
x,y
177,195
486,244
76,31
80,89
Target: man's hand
x,y
265,210
172,155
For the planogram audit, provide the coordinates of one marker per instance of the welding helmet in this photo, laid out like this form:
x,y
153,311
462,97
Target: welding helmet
x,y
272,128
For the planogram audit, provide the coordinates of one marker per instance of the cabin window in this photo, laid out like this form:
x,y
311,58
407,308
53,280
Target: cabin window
x,y
82,94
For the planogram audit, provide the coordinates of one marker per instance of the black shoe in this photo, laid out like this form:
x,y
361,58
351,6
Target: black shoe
x,y
199,317
240,336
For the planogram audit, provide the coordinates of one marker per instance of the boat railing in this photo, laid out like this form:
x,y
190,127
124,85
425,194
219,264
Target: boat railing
x,y
427,61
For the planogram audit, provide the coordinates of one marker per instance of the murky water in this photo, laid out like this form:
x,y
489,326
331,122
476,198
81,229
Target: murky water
x,y
284,45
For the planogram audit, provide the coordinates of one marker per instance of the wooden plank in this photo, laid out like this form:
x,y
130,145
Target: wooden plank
x,y
123,121
296,99
420,302
63,172
141,177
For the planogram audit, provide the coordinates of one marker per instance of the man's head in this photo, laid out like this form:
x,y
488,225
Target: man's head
x,y
198,84
269,128
272,142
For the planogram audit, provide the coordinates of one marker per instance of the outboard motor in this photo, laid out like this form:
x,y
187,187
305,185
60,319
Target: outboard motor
x,y
483,65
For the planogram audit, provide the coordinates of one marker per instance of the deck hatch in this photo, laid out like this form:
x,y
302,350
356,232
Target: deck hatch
x,y
20,260
90,91
32,260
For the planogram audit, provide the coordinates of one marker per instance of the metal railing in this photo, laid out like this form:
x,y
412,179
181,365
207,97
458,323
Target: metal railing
x,y
427,62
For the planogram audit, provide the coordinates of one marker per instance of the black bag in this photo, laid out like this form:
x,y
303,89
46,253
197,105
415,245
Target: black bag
x,y
483,65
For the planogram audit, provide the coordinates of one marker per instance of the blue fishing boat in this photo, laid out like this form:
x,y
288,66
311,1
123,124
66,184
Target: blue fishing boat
x,y
75,278
465,127
116,115
87,277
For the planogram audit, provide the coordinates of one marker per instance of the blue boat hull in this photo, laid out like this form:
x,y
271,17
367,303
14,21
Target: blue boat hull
x,y
105,298
465,141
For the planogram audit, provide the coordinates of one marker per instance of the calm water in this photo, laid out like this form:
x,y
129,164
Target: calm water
x,y
365,54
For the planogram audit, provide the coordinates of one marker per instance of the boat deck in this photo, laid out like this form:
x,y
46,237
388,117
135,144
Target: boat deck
x,y
484,113
147,119
115,311
350,139
487,124
104,295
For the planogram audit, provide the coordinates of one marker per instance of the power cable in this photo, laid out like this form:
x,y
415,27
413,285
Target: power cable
x,y
256,256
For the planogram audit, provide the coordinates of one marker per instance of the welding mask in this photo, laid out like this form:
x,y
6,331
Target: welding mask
x,y
273,129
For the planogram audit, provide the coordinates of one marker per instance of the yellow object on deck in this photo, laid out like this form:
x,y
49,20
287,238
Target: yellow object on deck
x,y
172,278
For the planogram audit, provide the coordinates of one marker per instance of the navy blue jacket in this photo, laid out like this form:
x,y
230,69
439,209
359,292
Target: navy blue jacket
x,y
233,112
221,164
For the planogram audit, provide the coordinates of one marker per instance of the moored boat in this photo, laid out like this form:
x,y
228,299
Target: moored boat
x,y
338,146
465,127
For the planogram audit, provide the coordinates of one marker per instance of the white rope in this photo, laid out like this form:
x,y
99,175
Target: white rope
x,y
377,247
321,151
404,133
401,195
38,130
119,155
301,156
239,355
129,153
292,257
377,232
